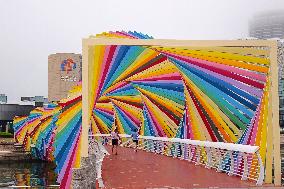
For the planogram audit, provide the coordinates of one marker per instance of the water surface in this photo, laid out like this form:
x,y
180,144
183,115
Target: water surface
x,y
35,174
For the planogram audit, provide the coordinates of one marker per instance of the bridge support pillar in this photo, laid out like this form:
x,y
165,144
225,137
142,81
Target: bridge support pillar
x,y
85,176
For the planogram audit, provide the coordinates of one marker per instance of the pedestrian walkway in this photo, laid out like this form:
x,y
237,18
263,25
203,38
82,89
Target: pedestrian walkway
x,y
148,170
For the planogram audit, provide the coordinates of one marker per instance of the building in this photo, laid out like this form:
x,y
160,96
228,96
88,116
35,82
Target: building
x,y
39,101
270,25
3,99
9,111
267,25
64,72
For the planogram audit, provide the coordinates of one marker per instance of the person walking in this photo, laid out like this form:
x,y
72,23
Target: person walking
x,y
114,140
134,136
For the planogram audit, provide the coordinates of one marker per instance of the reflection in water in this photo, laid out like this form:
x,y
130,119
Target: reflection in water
x,y
27,174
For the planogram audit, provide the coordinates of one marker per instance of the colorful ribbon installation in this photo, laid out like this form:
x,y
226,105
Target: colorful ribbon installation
x,y
67,139
200,93
53,133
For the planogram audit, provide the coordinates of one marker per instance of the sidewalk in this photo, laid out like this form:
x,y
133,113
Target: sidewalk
x,y
147,170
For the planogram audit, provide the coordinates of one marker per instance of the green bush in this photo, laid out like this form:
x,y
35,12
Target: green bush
x,y
6,135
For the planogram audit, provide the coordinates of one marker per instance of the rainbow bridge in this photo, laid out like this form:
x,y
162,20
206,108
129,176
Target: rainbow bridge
x,y
211,103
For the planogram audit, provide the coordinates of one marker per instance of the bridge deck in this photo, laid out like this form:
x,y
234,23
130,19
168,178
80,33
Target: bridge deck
x,y
147,170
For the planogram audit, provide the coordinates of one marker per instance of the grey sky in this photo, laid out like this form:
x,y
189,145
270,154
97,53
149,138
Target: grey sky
x,y
30,30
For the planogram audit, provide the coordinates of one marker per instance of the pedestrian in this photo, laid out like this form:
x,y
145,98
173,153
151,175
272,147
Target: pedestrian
x,y
134,136
104,140
114,140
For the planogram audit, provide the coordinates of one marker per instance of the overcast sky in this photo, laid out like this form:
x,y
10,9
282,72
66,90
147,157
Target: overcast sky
x,y
30,30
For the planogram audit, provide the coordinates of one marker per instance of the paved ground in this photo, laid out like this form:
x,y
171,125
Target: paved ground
x,y
147,170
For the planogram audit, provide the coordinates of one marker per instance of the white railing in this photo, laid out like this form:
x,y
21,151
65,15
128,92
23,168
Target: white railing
x,y
233,159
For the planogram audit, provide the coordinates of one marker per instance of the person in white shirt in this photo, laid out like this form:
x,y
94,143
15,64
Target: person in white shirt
x,y
114,140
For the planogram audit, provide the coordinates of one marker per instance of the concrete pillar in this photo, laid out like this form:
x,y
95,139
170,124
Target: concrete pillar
x,y
85,176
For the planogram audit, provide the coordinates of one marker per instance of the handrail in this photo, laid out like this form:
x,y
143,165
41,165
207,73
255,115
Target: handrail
x,y
221,145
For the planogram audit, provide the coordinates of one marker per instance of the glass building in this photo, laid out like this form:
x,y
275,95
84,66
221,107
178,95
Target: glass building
x,y
270,25
267,25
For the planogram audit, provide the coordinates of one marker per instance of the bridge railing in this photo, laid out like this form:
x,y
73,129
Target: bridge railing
x,y
234,159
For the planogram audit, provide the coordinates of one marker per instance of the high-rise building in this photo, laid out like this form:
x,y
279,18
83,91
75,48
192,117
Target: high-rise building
x,y
267,25
270,25
64,72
